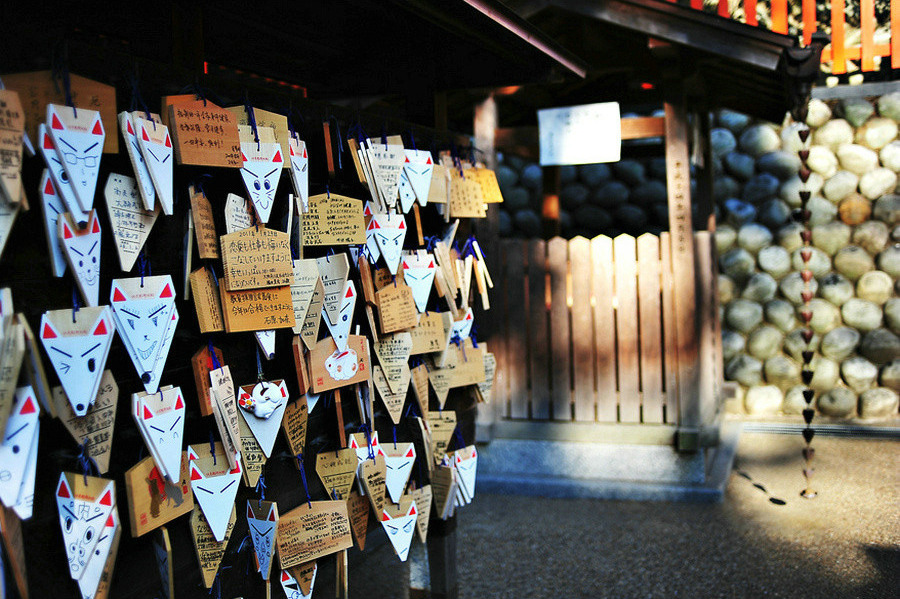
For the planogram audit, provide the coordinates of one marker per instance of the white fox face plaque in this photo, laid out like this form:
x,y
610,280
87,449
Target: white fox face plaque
x,y
465,461
144,180
340,328
160,418
262,520
84,510
59,175
264,404
398,463
463,326
143,315
407,195
78,351
292,587
99,560
399,522
419,168
156,148
418,272
215,484
300,172
78,135
261,171
390,231
372,248
82,250
15,451
52,206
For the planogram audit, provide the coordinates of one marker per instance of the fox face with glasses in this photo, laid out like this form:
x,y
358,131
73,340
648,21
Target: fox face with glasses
x,y
79,137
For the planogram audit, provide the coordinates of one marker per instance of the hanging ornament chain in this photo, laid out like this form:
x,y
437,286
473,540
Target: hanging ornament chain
x,y
802,216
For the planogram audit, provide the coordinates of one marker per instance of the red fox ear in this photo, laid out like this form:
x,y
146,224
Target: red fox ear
x,y
277,156
196,474
106,499
56,123
98,127
101,328
63,491
250,512
48,332
95,227
272,513
67,232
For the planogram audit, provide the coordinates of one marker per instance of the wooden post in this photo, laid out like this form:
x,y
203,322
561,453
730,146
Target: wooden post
x,y
683,275
705,201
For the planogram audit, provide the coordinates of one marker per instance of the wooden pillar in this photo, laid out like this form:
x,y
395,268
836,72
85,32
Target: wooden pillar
x,y
683,274
705,200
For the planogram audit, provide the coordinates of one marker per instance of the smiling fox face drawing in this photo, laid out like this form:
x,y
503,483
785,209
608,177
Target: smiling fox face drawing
x,y
143,314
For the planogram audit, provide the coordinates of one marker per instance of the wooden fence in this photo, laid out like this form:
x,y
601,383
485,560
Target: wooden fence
x,y
838,52
587,330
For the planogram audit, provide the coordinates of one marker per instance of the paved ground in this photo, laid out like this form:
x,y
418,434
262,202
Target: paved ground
x,y
845,543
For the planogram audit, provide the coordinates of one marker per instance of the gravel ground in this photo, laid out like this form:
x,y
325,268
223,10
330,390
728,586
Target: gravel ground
x,y
845,543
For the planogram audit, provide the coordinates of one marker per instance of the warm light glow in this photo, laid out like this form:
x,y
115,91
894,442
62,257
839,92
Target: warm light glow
x,y
647,85
507,91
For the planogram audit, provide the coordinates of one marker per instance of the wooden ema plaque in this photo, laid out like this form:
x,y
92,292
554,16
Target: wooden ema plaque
x,y
209,551
330,369
207,304
202,364
308,533
396,308
153,500
256,258
204,225
204,134
429,336
257,309
334,220
271,120
296,414
96,427
337,471
39,88
358,509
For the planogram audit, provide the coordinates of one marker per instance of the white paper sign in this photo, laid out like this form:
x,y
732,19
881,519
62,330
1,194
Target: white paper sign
x,y
580,134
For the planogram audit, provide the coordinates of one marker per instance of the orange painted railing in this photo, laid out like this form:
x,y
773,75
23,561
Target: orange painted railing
x,y
838,52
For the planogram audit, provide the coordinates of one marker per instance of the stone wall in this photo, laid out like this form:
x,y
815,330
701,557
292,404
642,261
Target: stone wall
x,y
855,221
855,212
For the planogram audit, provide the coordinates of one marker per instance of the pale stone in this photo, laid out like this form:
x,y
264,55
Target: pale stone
x,y
892,314
825,374
732,344
872,236
819,262
855,209
764,342
861,314
825,316
725,237
887,209
821,211
781,314
823,161
779,163
794,344
789,237
831,237
764,400
836,288
856,110
781,371
857,159
877,182
726,289
834,134
737,264
880,346
739,165
879,403
754,237
877,133
760,287
721,141
744,369
890,375
889,105
790,140
859,373
839,186
818,113
789,190
875,286
888,260
890,156
743,315
774,260
593,174
793,285
840,343
839,402
756,140
794,402
853,262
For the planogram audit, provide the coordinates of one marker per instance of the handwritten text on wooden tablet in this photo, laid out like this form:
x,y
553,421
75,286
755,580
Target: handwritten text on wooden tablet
x,y
307,533
256,258
334,220
257,309
205,135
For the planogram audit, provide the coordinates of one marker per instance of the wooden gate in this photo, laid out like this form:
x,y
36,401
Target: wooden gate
x,y
587,331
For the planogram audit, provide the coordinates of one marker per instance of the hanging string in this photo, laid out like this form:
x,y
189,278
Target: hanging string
x,y
340,139
142,266
251,118
457,434
431,242
212,446
303,479
61,71
468,248
384,135
412,139
212,271
137,101
261,488
75,304
86,463
371,450
395,435
213,358
240,550
199,183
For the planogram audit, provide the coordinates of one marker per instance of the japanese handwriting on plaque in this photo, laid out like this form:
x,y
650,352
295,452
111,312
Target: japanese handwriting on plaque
x,y
333,220
95,428
156,148
303,286
204,134
292,585
206,301
78,136
131,223
256,258
12,127
82,251
210,549
78,351
308,533
145,181
257,309
239,213
204,225
337,471
393,353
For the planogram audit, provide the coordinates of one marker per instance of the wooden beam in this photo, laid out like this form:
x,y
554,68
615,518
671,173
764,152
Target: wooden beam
x,y
643,127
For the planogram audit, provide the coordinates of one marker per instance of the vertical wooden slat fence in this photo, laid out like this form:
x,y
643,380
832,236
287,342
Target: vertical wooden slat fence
x,y
839,52
588,330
